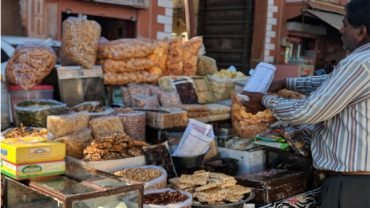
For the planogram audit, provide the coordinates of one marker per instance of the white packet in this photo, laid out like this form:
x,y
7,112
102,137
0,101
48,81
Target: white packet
x,y
195,140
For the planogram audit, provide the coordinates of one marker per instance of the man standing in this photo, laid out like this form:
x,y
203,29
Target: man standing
x,y
339,105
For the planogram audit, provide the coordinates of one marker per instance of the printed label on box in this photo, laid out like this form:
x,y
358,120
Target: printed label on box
x,y
39,152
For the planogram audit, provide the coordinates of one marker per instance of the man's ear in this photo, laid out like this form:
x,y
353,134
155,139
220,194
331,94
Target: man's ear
x,y
363,33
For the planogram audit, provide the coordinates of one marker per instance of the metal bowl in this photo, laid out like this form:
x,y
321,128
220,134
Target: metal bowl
x,y
238,204
187,164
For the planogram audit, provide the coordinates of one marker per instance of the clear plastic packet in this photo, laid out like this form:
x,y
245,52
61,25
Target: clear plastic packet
x,y
80,40
134,124
30,64
186,90
144,101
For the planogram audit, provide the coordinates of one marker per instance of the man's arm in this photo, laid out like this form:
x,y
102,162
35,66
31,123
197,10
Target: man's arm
x,y
305,85
343,87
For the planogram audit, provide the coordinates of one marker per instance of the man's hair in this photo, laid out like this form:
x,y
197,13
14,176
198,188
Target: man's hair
x,y
358,13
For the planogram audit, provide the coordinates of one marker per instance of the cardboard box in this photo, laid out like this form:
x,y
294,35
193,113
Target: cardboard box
x,y
249,161
32,170
111,165
31,150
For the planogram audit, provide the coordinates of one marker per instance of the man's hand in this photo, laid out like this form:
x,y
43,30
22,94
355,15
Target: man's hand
x,y
277,85
255,102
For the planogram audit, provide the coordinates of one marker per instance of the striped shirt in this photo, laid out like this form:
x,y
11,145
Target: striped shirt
x,y
339,106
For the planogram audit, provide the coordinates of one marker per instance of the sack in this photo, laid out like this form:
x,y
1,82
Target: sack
x,y
30,64
80,39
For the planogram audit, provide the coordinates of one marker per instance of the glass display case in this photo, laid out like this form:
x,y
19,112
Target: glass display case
x,y
80,187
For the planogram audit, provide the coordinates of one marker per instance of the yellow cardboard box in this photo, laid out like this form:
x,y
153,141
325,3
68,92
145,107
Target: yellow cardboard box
x,y
31,150
32,170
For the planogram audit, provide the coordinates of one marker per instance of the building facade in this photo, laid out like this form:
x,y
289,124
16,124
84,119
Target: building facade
x,y
298,32
119,19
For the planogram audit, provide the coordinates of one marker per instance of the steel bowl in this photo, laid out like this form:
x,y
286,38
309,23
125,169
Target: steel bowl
x,y
238,204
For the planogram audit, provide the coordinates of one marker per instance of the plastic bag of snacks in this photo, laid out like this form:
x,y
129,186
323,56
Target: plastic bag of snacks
x,y
174,59
204,92
159,55
129,65
80,41
206,66
144,101
222,83
185,89
134,124
190,55
125,49
61,125
30,64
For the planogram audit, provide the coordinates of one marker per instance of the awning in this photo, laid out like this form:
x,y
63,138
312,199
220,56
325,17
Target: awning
x,y
332,19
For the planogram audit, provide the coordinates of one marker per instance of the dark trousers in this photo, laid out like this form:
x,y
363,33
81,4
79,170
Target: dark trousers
x,y
346,192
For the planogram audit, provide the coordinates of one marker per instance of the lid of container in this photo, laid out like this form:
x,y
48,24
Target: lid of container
x,y
266,65
37,87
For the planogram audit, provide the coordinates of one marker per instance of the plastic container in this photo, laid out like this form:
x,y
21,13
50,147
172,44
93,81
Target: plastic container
x,y
261,79
17,94
5,111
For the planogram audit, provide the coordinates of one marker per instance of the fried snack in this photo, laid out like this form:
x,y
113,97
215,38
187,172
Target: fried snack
x,y
211,196
115,146
30,64
79,42
129,65
247,125
175,58
190,55
218,189
178,185
288,94
22,131
125,49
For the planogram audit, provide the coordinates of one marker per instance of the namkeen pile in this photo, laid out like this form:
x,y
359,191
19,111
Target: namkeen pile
x,y
210,188
116,146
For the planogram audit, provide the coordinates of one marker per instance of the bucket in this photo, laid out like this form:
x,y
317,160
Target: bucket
x,y
18,94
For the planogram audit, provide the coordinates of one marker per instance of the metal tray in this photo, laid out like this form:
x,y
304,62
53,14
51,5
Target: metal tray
x,y
238,204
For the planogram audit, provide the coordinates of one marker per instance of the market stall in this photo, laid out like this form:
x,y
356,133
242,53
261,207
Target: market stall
x,y
179,132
